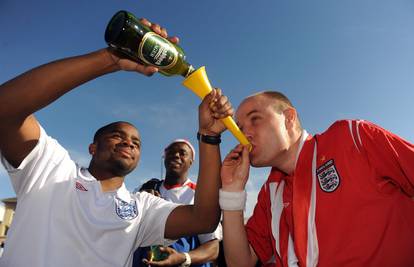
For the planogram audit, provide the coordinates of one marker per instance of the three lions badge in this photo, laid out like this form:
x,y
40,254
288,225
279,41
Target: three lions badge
x,y
328,176
125,210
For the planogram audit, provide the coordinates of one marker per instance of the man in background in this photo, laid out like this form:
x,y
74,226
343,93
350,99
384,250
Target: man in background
x,y
199,250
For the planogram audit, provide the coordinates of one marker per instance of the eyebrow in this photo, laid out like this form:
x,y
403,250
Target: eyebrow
x,y
134,138
247,115
251,112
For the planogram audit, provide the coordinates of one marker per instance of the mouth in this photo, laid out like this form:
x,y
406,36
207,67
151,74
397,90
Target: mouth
x,y
124,153
174,164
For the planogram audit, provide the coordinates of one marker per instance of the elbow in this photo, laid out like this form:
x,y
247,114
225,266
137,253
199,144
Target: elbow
x,y
210,225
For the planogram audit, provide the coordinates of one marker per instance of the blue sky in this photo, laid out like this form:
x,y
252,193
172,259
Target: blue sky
x,y
334,59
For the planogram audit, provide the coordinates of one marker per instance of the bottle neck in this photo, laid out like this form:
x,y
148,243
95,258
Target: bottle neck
x,y
188,71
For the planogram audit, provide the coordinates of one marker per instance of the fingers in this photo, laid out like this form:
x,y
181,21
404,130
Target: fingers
x,y
233,155
146,70
220,105
159,30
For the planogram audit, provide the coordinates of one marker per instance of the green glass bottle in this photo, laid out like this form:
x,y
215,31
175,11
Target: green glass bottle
x,y
156,254
126,34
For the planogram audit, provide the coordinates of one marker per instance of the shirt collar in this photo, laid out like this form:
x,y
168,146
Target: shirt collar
x,y
122,192
303,138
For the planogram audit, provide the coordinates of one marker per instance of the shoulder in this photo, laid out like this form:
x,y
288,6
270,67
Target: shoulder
x,y
191,184
342,129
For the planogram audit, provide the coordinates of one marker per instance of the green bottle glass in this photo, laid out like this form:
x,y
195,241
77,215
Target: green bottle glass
x,y
126,34
156,254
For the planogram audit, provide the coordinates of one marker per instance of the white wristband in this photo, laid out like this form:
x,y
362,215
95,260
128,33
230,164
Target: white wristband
x,y
232,200
187,262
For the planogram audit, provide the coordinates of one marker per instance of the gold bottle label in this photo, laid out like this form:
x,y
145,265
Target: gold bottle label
x,y
155,50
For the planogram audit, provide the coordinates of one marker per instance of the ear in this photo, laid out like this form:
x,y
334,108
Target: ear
x,y
92,149
290,118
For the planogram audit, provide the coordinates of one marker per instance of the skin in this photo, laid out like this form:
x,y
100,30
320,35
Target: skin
x,y
275,138
112,158
178,160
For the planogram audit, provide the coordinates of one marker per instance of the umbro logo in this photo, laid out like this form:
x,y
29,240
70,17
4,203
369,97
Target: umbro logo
x,y
80,187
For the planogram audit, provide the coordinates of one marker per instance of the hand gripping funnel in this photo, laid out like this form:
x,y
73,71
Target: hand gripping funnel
x,y
198,83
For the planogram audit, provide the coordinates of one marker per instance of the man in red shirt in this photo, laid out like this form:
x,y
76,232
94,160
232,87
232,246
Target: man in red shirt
x,y
341,198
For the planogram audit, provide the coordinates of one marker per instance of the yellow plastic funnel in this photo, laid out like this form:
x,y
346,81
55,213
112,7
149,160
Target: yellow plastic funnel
x,y
198,83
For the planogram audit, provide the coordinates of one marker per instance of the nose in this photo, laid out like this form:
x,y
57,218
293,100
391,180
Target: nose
x,y
128,143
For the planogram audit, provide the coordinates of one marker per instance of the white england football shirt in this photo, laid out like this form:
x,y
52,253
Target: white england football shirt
x,y
64,219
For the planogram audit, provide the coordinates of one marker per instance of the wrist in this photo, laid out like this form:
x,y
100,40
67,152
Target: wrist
x,y
232,200
187,261
208,132
111,60
209,139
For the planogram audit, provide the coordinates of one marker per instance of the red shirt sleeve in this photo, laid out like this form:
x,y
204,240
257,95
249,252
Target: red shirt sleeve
x,y
258,227
389,154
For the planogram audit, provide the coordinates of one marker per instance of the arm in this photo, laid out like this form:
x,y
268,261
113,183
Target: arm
x,y
390,155
205,252
37,88
234,175
204,215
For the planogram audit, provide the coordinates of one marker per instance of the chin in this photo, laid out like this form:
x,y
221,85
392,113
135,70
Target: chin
x,y
122,169
257,163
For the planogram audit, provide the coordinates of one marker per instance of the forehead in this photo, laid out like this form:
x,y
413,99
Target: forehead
x,y
178,146
251,104
124,128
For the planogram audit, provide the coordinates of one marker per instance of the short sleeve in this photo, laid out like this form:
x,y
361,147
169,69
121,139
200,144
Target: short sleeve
x,y
33,172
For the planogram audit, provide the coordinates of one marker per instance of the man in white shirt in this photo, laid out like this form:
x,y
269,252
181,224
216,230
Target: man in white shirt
x,y
68,215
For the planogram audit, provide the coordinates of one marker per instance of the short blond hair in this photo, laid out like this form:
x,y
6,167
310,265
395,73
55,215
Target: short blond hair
x,y
280,103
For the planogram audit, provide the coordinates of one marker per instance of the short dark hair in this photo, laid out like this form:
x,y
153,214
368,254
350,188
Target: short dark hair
x,y
104,129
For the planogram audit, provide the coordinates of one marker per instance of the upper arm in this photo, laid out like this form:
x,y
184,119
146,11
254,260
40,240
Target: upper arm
x,y
182,222
389,154
18,139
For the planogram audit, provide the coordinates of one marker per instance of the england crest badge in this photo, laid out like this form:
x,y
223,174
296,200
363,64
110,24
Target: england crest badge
x,y
125,210
328,176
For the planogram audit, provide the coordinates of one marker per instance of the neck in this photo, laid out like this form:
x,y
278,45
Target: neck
x,y
109,181
287,162
112,184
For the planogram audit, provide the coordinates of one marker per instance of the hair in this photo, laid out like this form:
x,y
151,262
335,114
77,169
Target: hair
x,y
104,129
281,103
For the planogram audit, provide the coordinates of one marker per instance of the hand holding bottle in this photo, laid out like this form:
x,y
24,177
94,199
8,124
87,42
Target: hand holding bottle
x,y
146,43
127,64
169,257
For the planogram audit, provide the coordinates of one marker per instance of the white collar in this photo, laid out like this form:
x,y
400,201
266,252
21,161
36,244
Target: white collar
x,y
122,192
303,138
